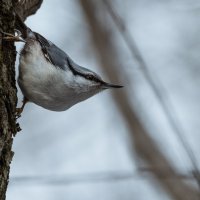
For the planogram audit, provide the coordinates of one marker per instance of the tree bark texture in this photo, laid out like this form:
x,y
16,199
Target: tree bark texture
x,y
8,97
8,91
25,8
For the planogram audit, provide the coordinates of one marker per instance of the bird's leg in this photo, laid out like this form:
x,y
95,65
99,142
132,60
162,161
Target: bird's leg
x,y
11,37
20,110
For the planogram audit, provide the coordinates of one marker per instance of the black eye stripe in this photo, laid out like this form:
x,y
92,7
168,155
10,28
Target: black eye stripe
x,y
86,76
90,77
73,70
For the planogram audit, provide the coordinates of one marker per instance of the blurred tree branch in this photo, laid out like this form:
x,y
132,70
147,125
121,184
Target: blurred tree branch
x,y
8,91
109,58
106,176
156,86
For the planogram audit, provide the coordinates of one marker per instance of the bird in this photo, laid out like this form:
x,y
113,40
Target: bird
x,y
48,76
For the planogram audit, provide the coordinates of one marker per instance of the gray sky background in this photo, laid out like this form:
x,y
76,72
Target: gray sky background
x,y
91,137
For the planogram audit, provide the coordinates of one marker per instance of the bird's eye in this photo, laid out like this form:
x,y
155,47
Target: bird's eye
x,y
90,77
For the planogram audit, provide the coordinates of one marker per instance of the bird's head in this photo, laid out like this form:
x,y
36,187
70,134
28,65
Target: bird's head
x,y
88,83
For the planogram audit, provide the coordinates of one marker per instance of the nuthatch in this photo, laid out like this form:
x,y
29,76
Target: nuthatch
x,y
48,77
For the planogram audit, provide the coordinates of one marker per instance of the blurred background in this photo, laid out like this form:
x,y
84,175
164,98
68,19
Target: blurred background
x,y
140,142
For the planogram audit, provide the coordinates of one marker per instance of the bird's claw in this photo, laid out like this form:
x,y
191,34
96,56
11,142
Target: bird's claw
x,y
11,37
18,112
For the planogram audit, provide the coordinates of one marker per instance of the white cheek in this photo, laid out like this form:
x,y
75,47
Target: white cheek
x,y
82,81
81,84
67,77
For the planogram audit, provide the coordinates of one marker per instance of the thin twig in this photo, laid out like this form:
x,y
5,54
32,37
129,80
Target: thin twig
x,y
91,177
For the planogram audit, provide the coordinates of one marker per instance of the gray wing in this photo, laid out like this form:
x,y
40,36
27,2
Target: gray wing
x,y
59,58
52,53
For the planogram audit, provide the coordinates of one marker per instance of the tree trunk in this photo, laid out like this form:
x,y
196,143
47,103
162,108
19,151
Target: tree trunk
x,y
8,91
8,97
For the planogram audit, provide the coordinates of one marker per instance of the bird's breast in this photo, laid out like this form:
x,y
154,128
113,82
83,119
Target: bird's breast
x,y
43,83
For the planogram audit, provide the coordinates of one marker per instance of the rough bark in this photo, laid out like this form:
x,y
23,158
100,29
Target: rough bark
x,y
8,97
145,147
25,8
8,91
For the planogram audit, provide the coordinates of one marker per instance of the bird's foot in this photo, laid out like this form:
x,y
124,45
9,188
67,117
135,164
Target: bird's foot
x,y
11,37
18,112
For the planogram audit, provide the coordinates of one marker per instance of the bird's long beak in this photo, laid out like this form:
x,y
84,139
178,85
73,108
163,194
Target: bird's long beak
x,y
109,85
